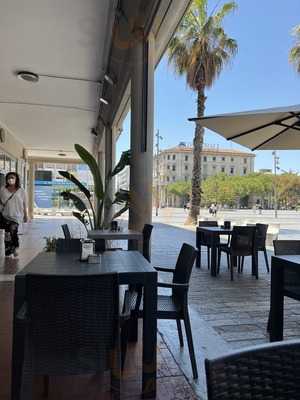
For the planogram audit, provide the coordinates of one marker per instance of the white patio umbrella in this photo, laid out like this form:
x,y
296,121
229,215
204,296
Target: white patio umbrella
x,y
269,129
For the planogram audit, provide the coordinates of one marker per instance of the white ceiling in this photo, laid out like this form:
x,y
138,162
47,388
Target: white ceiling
x,y
66,38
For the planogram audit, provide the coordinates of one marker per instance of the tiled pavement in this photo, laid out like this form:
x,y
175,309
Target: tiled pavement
x,y
225,315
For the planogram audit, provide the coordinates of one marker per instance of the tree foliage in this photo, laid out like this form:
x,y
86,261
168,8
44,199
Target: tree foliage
x,y
181,189
294,55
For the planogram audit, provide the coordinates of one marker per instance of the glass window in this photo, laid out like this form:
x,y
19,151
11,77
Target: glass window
x,y
186,167
245,160
214,158
168,179
232,159
168,166
174,156
223,158
168,156
222,169
185,178
2,161
173,167
7,163
186,158
245,171
204,158
232,170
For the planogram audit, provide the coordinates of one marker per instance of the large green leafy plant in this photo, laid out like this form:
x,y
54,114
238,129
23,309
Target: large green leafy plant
x,y
89,212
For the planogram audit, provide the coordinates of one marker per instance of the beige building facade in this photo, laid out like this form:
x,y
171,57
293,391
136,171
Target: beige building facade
x,y
176,164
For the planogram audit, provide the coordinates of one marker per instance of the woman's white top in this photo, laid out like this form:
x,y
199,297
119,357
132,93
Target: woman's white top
x,y
14,208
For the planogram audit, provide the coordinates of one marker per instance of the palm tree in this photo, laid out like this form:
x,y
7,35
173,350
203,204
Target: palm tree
x,y
294,56
200,48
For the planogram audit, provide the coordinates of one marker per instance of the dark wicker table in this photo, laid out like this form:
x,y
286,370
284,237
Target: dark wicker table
x,y
135,238
132,268
280,267
214,232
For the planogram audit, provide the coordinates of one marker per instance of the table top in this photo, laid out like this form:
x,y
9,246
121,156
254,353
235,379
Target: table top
x,y
215,229
125,234
288,260
130,265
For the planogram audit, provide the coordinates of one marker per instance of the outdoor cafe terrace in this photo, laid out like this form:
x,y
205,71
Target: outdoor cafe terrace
x,y
225,315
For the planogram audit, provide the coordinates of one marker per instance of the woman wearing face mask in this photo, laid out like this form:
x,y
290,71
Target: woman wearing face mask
x,y
14,211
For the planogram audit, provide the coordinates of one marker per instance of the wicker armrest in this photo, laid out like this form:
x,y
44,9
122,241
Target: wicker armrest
x,y
22,314
164,269
183,286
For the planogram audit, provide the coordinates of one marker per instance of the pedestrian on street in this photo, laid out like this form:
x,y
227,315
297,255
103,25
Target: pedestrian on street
x,y
13,205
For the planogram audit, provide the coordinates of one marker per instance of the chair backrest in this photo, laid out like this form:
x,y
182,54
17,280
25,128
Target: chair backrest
x,y
263,372
73,322
68,246
184,265
66,231
243,240
261,236
201,237
291,277
146,240
286,247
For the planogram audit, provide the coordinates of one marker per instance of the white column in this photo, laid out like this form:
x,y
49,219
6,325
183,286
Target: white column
x,y
110,160
30,189
142,113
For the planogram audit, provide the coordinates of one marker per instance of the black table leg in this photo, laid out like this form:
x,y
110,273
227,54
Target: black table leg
x,y
213,260
18,340
277,300
150,337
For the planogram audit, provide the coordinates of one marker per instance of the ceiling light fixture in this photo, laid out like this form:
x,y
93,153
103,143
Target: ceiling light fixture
x,y
62,154
28,76
33,77
103,100
109,79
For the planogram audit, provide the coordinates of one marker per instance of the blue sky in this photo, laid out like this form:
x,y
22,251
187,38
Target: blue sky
x,y
260,76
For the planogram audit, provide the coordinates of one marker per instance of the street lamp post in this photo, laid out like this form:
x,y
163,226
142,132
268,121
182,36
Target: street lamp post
x,y
158,138
276,167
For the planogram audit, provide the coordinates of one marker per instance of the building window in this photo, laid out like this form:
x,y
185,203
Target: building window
x,y
168,156
214,158
232,170
174,157
223,158
222,169
168,179
186,158
173,167
232,159
185,178
204,158
214,167
174,178
245,171
168,166
245,160
186,167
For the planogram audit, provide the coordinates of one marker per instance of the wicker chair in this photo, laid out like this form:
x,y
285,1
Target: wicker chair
x,y
203,239
242,244
147,230
66,231
72,328
68,246
261,236
174,306
266,372
291,278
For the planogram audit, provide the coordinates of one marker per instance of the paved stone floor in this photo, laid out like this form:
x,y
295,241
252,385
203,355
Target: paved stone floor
x,y
225,315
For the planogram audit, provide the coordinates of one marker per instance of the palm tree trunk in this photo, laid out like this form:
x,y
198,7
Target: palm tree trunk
x,y
198,145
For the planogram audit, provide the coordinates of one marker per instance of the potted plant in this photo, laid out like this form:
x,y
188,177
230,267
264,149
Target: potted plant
x,y
92,213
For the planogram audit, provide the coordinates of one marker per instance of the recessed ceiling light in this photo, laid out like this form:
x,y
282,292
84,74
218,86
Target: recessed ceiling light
x,y
28,76
103,100
61,154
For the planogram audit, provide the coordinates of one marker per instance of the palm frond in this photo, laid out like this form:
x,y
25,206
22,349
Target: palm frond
x,y
226,9
73,179
123,162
